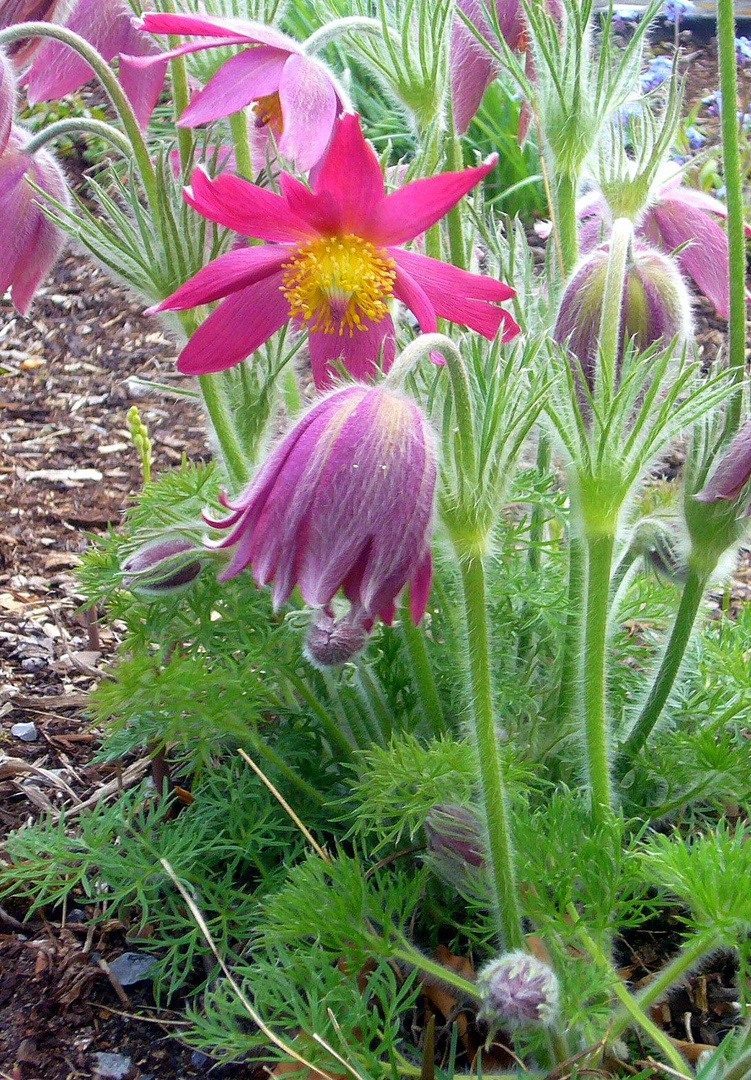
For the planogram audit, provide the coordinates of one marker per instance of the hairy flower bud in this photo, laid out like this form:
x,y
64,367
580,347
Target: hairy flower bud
x,y
162,566
656,305
733,471
456,849
516,990
331,641
659,543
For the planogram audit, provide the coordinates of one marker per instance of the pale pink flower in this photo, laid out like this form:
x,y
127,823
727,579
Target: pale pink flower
x,y
733,471
331,264
473,68
7,99
293,94
29,242
345,502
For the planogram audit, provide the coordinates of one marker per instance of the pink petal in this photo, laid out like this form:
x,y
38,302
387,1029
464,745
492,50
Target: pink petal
x,y
464,298
472,71
414,297
142,87
309,107
360,354
244,31
351,175
186,49
733,471
419,588
319,210
406,213
252,74
58,70
227,274
248,209
238,327
7,99
706,257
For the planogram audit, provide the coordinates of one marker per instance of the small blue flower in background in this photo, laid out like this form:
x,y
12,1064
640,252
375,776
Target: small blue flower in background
x,y
674,10
694,138
658,70
743,50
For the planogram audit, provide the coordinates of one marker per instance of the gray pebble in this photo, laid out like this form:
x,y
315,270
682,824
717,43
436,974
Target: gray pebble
x,y
27,732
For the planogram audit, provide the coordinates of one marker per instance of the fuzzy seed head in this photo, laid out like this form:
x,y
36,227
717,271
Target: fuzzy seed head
x,y
518,990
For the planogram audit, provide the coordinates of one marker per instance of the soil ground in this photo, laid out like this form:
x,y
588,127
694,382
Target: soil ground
x,y
68,375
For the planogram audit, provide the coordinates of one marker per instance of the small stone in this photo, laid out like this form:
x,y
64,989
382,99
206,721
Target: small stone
x,y
112,1066
33,663
132,967
26,732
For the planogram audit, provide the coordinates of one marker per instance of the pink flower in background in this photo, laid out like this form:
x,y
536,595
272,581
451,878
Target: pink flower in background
x,y
331,264
54,69
344,502
294,94
473,68
7,99
30,241
676,215
733,471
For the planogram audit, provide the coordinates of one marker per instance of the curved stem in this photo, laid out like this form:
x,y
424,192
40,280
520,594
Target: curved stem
x,y
568,235
324,36
406,952
493,785
238,125
232,453
427,692
733,186
693,591
72,126
599,558
108,79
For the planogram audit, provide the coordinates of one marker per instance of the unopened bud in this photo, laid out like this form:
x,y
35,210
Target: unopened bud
x,y
456,851
518,990
162,566
331,641
656,305
659,542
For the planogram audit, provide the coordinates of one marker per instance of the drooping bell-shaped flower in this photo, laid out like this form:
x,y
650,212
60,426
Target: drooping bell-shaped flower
x,y
733,471
29,242
345,502
473,67
656,305
54,69
518,990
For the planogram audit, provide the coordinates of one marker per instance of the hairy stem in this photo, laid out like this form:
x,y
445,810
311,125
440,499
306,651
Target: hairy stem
x,y
594,668
568,236
180,92
73,126
693,591
220,416
238,125
569,677
491,775
734,198
427,692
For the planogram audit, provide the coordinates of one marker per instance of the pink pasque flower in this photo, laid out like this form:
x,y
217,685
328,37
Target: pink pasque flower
x,y
55,69
7,99
30,241
294,94
331,265
344,502
473,68
676,215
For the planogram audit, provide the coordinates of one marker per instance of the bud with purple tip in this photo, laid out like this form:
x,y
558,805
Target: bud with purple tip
x,y
656,305
733,472
332,641
344,502
518,990
162,566
456,848
29,242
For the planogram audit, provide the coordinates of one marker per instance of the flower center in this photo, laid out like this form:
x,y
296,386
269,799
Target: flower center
x,y
268,110
335,283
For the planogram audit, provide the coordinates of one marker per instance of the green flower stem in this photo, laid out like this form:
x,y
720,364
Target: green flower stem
x,y
734,198
454,163
569,678
291,393
697,948
566,223
410,955
220,416
238,125
264,751
493,785
73,126
329,33
631,1007
337,740
114,91
693,591
594,697
373,695
612,303
427,692
180,91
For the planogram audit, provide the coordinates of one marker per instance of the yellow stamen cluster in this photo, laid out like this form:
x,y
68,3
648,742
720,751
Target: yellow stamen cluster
x,y
334,283
268,110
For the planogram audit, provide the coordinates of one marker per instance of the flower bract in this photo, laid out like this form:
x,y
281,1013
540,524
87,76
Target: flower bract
x,y
332,263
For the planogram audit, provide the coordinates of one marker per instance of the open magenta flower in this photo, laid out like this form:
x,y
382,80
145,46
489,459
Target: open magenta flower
x,y
294,94
332,263
29,242
344,502
54,69
676,215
